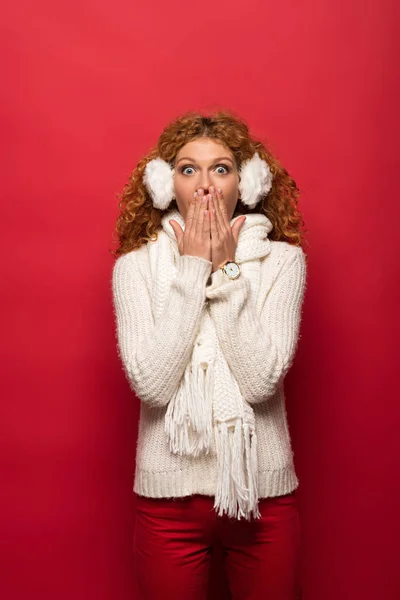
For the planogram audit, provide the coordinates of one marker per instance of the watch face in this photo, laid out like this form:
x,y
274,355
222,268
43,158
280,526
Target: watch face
x,y
232,270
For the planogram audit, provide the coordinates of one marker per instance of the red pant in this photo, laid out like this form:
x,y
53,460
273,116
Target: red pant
x,y
173,543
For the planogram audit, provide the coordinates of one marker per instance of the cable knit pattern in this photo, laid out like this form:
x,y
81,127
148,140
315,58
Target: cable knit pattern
x,y
155,350
257,334
260,351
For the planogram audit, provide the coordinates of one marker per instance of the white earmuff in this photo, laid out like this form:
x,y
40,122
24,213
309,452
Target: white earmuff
x,y
255,180
158,178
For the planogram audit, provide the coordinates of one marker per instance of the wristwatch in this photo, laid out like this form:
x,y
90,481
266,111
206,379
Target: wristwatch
x,y
231,269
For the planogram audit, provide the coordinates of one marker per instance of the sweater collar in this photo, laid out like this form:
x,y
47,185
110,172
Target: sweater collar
x,y
253,239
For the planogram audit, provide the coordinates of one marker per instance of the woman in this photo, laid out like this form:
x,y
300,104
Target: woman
x,y
208,288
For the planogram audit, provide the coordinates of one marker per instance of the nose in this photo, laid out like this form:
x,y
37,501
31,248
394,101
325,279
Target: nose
x,y
204,185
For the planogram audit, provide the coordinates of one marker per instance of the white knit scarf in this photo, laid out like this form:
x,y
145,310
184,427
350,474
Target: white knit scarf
x,y
207,412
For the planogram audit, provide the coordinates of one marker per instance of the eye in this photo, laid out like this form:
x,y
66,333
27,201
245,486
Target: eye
x,y
224,167
185,167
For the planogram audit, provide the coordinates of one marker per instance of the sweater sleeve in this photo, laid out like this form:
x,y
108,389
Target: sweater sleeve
x,y
259,350
154,354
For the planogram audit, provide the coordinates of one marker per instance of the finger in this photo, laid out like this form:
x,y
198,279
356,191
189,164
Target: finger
x,y
200,222
219,229
197,211
190,215
223,211
213,222
177,230
236,227
207,224
219,217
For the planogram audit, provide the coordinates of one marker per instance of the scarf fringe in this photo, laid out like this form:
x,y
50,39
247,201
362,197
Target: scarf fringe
x,y
188,420
237,480
189,427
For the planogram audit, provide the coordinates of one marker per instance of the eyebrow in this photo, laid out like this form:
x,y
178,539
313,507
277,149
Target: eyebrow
x,y
214,161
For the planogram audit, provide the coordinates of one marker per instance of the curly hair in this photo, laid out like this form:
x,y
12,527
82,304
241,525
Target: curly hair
x,y
139,221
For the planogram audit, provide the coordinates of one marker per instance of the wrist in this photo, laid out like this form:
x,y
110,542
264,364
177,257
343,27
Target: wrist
x,y
215,269
229,269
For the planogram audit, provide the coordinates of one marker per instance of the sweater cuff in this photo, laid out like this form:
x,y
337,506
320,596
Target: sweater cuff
x,y
222,285
219,278
194,269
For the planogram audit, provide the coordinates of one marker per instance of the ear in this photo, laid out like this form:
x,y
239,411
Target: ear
x,y
255,180
158,177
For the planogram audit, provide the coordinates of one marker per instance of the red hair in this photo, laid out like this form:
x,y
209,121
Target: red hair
x,y
139,220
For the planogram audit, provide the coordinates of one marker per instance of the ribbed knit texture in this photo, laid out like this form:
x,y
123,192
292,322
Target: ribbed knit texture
x,y
155,350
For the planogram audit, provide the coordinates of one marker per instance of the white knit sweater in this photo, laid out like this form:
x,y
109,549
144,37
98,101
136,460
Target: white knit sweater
x,y
259,351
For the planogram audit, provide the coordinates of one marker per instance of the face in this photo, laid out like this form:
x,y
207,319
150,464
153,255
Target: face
x,y
200,164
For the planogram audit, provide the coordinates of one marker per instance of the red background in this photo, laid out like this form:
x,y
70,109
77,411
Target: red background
x,y
87,88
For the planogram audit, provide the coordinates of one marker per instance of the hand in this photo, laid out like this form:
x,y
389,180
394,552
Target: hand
x,y
195,240
224,238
